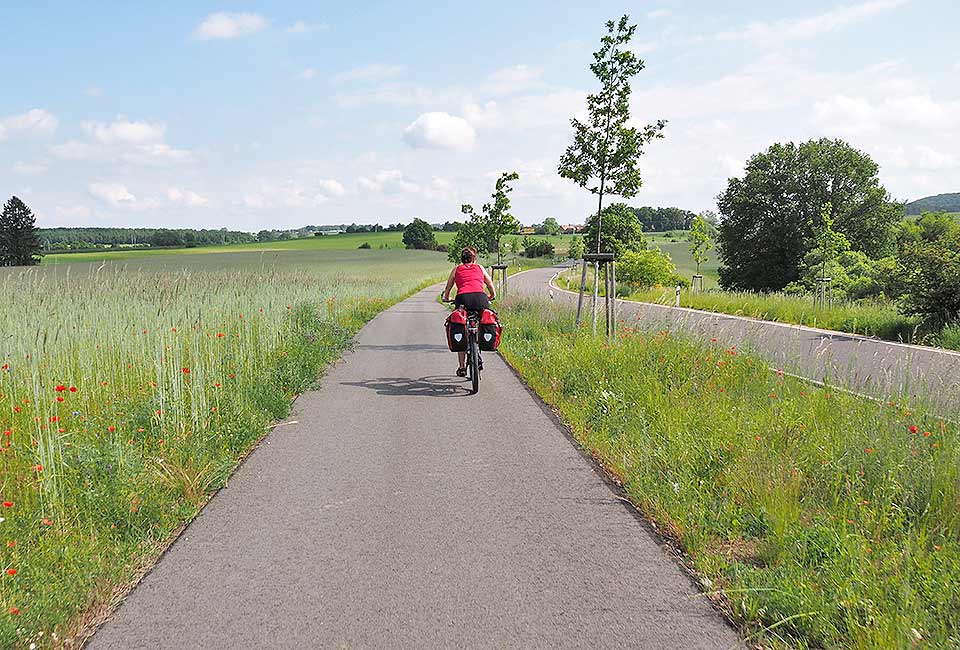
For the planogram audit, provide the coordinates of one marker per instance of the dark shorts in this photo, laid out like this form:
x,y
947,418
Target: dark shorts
x,y
472,301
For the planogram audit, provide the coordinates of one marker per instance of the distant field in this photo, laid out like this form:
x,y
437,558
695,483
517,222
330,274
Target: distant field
x,y
676,245
350,241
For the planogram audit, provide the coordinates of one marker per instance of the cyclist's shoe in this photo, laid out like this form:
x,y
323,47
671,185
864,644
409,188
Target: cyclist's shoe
x,y
479,364
461,372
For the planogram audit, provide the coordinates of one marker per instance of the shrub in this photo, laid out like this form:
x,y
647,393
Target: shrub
x,y
365,245
419,235
645,269
537,247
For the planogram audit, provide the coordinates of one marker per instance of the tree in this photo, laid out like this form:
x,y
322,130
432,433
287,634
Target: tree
x,y
495,220
700,242
605,151
644,269
551,227
472,234
19,241
577,249
931,274
621,231
419,235
166,239
767,215
537,247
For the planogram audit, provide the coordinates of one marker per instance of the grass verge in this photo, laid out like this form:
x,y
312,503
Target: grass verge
x,y
825,520
875,319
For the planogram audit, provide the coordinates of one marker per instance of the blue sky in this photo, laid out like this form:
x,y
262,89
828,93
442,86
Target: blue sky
x,y
252,115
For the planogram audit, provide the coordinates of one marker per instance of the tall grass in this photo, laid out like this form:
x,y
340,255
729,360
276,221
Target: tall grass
x,y
878,319
825,520
127,396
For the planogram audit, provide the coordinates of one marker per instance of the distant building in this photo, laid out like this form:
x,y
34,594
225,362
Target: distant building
x,y
571,229
528,230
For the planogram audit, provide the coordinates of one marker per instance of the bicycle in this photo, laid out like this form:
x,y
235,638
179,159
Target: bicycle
x,y
474,360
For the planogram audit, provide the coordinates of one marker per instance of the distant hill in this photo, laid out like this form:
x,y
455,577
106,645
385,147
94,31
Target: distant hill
x,y
938,203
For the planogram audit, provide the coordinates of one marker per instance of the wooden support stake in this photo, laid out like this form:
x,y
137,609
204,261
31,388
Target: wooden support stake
x,y
583,288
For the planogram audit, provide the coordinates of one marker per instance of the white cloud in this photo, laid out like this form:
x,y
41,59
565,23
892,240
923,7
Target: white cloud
x,y
223,24
115,194
514,79
289,193
36,121
658,13
388,181
772,33
28,168
186,197
156,153
73,211
123,131
439,130
72,150
641,48
854,115
372,72
304,75
549,109
331,187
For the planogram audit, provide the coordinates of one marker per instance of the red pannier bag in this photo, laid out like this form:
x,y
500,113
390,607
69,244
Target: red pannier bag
x,y
490,330
456,325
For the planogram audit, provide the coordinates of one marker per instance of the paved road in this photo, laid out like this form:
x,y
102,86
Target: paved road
x,y
875,367
400,512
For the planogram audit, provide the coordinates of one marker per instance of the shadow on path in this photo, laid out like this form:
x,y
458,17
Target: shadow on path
x,y
422,347
436,386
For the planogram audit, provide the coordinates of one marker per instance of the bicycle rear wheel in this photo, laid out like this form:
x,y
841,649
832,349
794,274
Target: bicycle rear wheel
x,y
474,365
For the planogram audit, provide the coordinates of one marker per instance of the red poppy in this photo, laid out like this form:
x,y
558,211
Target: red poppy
x,y
60,388
38,468
868,450
220,335
59,399
186,371
11,572
111,428
46,522
8,504
16,409
14,611
913,428
11,544
73,389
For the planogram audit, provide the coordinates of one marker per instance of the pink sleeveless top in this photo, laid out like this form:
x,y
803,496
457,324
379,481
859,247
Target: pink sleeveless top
x,y
469,278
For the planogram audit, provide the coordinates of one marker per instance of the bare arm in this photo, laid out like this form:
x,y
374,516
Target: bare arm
x,y
488,281
446,289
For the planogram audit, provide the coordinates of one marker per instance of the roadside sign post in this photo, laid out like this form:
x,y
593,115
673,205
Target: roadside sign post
x,y
677,300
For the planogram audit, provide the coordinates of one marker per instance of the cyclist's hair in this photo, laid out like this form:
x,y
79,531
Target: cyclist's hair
x,y
469,254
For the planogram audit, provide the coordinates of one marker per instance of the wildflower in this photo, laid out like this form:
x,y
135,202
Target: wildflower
x,y
59,399
937,547
780,373
140,429
46,522
868,450
220,335
216,385
38,468
8,504
186,371
913,428
11,571
60,388
14,611
926,434
11,544
714,339
73,389
16,409
111,428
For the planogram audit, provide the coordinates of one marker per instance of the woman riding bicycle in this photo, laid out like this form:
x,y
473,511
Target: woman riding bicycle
x,y
471,280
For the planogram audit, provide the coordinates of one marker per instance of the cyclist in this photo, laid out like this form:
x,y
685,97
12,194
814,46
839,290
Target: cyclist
x,y
473,286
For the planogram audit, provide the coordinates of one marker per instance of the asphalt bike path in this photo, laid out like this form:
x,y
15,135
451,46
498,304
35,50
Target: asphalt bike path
x,y
874,367
395,510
